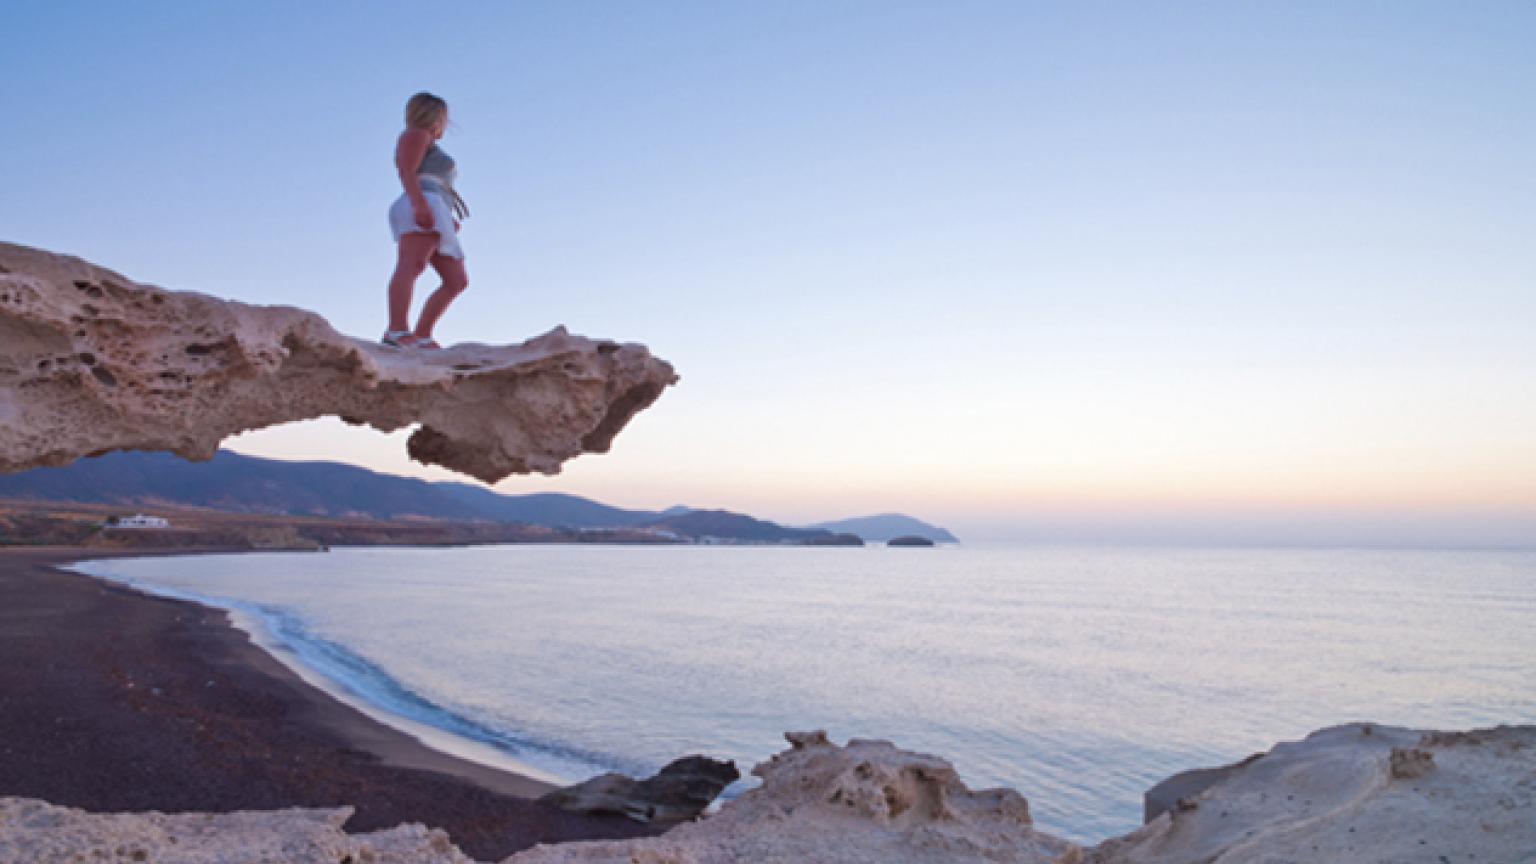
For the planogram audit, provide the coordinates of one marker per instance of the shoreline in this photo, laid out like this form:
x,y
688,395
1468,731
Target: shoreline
x,y
114,699
476,760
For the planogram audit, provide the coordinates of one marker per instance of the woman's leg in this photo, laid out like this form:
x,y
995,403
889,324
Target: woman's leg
x,y
416,249
455,280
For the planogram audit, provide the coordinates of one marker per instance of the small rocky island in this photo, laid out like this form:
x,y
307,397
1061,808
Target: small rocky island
x,y
909,540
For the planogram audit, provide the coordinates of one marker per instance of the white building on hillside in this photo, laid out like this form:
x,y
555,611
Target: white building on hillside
x,y
139,520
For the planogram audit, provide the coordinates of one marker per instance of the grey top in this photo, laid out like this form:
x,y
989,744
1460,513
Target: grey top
x,y
439,166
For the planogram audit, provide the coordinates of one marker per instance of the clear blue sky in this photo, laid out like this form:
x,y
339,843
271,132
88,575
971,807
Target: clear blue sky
x,y
1258,271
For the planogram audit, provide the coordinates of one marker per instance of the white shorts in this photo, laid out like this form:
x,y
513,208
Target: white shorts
x,y
403,221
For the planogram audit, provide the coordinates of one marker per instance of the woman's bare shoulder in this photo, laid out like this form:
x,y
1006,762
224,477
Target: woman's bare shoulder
x,y
412,135
412,148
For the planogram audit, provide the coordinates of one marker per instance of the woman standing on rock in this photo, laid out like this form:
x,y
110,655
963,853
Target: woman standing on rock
x,y
425,223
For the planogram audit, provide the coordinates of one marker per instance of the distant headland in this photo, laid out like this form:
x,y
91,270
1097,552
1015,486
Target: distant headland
x,y
246,500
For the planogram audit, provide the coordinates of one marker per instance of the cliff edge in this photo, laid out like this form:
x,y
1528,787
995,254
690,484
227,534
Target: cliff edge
x,y
91,361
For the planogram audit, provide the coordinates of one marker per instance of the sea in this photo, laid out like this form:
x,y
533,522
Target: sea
x,y
1079,676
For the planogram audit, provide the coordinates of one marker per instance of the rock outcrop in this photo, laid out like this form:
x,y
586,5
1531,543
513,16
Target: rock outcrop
x,y
868,801
681,790
35,832
1167,794
1360,793
91,361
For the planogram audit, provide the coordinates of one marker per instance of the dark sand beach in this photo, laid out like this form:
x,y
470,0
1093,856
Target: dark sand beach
x,y
112,700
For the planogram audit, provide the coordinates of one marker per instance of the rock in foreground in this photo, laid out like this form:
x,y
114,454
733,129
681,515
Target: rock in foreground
x,y
868,801
680,791
34,832
1360,793
92,362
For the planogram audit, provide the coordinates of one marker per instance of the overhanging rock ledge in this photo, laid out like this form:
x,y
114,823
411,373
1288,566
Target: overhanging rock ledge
x,y
91,362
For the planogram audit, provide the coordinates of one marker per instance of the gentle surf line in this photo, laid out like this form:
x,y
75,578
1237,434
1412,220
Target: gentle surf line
x,y
365,687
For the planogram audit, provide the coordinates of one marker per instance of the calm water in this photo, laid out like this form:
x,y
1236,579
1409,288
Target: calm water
x,y
1079,676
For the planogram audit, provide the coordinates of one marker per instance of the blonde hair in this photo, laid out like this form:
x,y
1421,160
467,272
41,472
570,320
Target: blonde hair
x,y
425,111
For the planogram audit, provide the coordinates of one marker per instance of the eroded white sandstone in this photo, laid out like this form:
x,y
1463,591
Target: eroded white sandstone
x,y
868,801
91,361
1360,793
37,833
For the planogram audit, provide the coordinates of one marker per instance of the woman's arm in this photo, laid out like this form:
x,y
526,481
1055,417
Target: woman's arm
x,y
408,155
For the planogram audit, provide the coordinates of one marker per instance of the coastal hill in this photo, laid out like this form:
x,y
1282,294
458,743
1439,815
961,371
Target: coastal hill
x,y
888,526
234,483
723,523
246,484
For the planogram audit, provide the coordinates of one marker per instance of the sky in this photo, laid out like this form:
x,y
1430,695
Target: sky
x,y
1173,272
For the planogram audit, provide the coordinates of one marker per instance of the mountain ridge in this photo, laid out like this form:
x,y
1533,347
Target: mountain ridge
x,y
237,483
884,527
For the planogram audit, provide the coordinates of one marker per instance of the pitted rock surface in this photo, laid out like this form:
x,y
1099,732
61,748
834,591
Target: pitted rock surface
x,y
35,832
1332,797
1361,793
867,801
91,362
